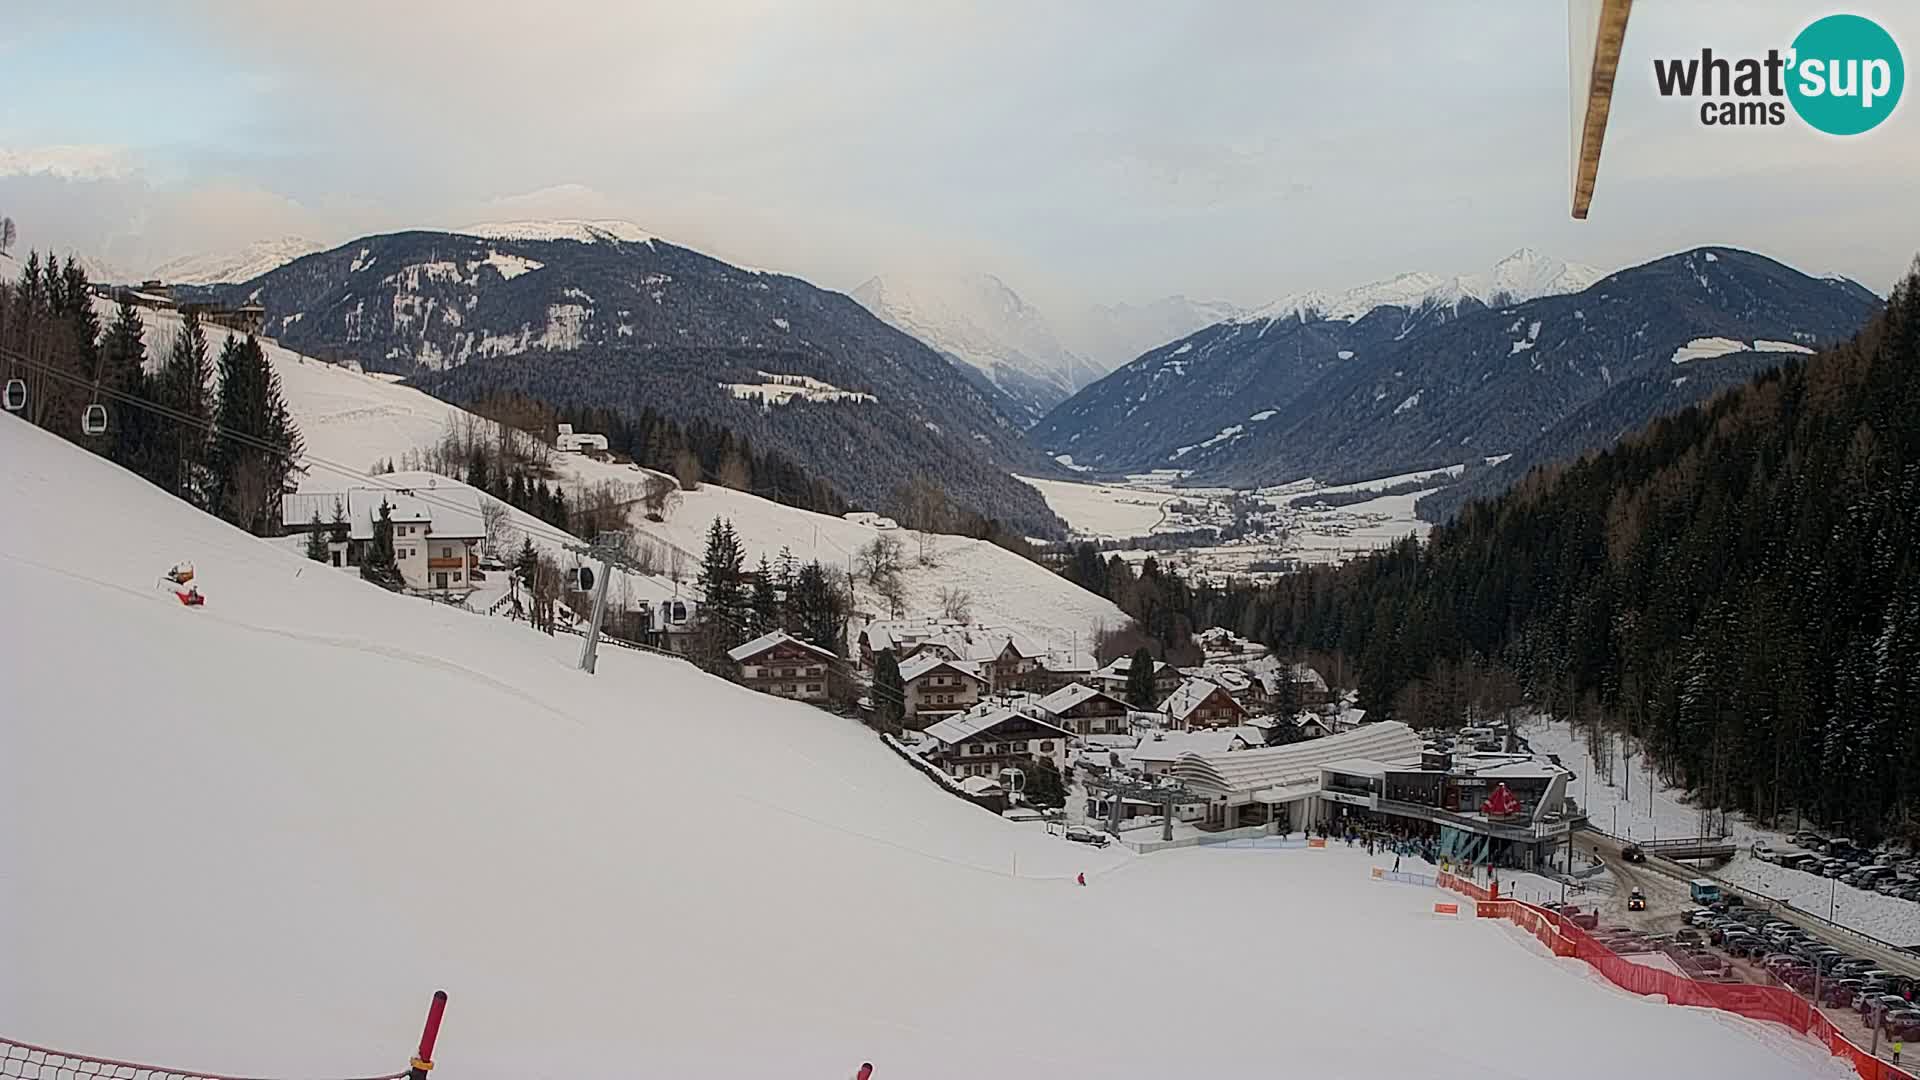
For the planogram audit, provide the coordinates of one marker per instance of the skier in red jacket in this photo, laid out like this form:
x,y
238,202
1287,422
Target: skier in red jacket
x,y
866,1071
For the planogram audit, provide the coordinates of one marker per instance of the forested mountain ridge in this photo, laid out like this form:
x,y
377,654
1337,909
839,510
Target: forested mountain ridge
x,y
600,315
1737,586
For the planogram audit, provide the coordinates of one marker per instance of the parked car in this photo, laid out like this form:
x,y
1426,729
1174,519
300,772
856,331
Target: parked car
x,y
1878,1003
1080,834
1863,998
1839,992
1902,1024
1687,937
1744,945
1700,918
1763,851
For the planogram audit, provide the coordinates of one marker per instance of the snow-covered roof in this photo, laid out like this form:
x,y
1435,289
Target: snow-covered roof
x,y
1190,696
1123,666
1170,746
1254,737
1250,770
1521,770
741,653
980,785
963,726
1073,694
1358,767
926,662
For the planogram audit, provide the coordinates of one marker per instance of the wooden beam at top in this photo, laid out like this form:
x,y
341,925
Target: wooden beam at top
x,y
1611,35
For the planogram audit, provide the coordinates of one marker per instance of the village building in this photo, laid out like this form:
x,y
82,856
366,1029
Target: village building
x,y
435,538
782,665
1201,703
1113,678
991,738
938,687
1378,777
1085,711
568,441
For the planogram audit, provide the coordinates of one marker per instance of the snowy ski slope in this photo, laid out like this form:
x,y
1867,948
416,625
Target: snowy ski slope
x,y
253,836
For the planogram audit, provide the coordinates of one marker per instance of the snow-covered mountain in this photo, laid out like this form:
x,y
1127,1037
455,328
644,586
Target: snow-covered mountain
x,y
564,310
1419,372
1112,334
1523,275
223,267
979,322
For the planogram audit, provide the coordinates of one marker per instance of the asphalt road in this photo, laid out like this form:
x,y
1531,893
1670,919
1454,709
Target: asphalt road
x,y
1668,900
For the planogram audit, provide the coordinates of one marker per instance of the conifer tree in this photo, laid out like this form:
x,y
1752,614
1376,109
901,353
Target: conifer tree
x,y
1140,680
379,565
183,386
889,692
245,476
317,540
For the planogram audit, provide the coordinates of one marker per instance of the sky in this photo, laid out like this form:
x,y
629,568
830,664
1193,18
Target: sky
x,y
1083,151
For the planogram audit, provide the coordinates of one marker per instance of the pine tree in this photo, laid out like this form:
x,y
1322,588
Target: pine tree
x,y
180,455
1140,680
317,540
378,564
1045,788
124,369
246,478
818,610
889,692
765,603
719,577
527,565
339,530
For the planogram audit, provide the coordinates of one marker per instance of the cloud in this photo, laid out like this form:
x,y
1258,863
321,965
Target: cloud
x,y
69,162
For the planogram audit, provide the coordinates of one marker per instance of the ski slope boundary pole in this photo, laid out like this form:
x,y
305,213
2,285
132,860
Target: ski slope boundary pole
x,y
423,1061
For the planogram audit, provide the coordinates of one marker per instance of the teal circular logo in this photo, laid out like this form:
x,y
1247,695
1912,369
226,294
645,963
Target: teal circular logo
x,y
1847,74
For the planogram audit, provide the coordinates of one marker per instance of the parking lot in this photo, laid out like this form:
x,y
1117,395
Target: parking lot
x,y
1888,873
1853,991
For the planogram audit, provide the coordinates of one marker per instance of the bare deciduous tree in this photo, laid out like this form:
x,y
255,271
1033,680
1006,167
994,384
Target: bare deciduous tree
x,y
502,540
956,604
880,560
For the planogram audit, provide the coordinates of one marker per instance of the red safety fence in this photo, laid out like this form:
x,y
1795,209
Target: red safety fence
x,y
25,1061
1772,1003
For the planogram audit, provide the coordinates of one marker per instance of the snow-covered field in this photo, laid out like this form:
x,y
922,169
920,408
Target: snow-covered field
x,y
1104,510
254,836
351,420
1660,811
1151,503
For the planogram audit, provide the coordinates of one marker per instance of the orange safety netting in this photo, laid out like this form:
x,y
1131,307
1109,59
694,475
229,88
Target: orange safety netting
x,y
1773,1003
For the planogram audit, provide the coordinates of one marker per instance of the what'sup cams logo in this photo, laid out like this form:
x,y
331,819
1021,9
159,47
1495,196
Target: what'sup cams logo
x,y
1842,75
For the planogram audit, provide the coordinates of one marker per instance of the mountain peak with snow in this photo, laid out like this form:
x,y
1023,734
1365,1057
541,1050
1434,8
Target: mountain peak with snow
x,y
1521,276
577,229
232,267
981,322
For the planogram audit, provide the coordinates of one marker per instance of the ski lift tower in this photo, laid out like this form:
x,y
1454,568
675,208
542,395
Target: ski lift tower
x,y
610,549
1167,795
1596,30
